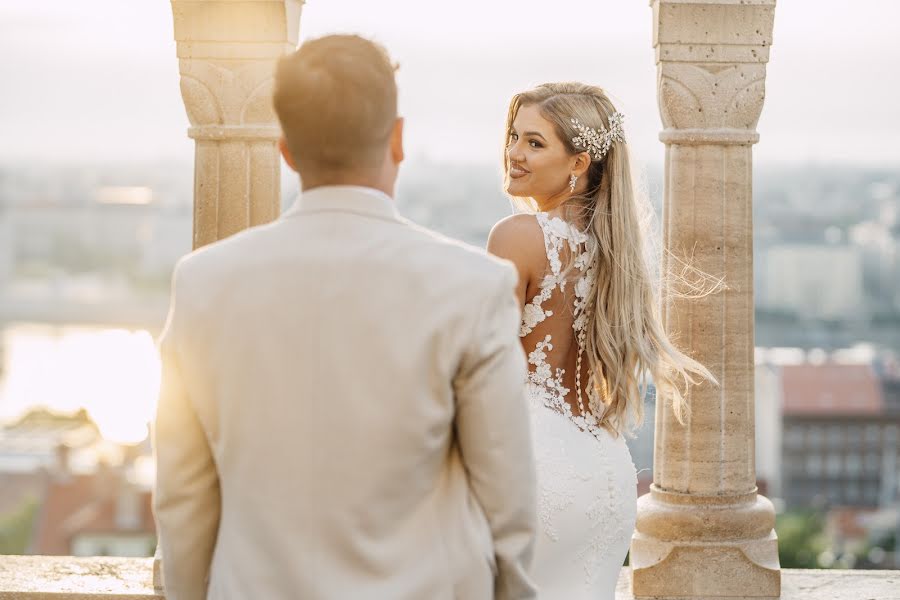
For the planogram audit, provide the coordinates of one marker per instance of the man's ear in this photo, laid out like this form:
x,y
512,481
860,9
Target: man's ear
x,y
286,153
397,141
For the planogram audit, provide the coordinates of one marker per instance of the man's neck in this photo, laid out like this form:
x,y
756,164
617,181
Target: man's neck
x,y
359,181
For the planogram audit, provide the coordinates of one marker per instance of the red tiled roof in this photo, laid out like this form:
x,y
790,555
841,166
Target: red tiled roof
x,y
83,504
831,389
846,522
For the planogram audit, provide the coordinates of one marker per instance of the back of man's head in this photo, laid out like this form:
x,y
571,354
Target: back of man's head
x,y
336,99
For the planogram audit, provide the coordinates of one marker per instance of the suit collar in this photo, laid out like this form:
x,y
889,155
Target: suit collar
x,y
345,198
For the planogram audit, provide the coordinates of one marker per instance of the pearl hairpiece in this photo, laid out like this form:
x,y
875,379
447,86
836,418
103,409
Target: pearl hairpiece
x,y
597,141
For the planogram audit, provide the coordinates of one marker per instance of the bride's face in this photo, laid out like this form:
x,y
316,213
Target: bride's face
x,y
539,163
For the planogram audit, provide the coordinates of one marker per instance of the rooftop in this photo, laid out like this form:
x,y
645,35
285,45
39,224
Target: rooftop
x,y
831,389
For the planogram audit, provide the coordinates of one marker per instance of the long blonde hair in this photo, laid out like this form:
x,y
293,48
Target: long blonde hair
x,y
625,340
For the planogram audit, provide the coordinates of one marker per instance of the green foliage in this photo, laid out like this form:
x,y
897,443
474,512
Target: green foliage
x,y
887,542
801,539
16,527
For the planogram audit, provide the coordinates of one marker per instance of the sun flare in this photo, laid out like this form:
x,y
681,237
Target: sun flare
x,y
113,373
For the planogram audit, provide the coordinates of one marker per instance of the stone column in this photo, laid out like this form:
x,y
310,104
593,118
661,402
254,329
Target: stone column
x,y
703,531
226,55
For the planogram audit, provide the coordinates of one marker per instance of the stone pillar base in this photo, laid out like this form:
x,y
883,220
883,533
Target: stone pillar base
x,y
703,570
733,552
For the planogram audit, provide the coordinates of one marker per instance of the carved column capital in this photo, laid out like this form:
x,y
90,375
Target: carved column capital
x,y
711,57
226,55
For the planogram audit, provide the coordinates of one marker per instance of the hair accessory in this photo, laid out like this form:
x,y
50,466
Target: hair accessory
x,y
597,141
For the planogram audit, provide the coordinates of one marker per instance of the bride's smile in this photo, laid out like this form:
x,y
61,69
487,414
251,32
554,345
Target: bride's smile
x,y
515,171
538,163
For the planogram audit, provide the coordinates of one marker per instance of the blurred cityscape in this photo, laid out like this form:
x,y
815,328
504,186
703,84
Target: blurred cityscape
x,y
86,254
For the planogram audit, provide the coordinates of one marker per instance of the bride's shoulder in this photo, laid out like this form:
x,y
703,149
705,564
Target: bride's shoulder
x,y
518,238
521,227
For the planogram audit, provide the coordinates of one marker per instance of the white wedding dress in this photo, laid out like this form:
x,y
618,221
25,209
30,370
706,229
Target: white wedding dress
x,y
587,486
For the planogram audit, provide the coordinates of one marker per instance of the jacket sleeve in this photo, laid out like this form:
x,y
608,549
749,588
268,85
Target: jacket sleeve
x,y
494,433
186,497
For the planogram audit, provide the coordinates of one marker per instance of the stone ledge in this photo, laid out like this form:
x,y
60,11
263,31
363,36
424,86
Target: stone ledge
x,y
812,584
70,578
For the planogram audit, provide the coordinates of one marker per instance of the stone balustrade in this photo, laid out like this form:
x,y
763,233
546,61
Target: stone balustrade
x,y
70,578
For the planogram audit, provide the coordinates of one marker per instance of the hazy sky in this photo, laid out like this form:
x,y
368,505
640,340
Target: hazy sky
x,y
98,79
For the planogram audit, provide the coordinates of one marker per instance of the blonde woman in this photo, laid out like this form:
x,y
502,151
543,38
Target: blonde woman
x,y
590,327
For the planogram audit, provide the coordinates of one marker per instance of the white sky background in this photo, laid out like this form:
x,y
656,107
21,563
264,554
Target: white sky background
x,y
98,79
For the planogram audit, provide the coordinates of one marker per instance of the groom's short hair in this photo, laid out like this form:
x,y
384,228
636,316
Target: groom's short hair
x,y
336,99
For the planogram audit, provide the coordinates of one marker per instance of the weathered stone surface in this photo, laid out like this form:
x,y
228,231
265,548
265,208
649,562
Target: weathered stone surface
x,y
70,578
703,531
810,584
227,50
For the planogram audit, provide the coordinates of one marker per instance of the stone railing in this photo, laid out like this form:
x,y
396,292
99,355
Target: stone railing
x,y
70,578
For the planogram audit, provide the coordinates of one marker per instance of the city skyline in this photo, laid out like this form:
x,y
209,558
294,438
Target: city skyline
x,y
98,80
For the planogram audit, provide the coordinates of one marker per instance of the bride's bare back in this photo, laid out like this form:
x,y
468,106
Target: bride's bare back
x,y
586,480
547,294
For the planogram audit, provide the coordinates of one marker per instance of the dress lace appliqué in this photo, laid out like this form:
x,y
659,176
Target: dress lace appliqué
x,y
548,384
542,374
577,481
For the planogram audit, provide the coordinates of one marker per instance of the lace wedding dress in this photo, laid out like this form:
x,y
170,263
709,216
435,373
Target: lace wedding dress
x,y
587,487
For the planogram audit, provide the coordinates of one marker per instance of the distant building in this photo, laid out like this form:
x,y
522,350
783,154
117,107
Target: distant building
x,y
840,445
815,281
891,393
827,429
101,514
35,442
768,427
92,498
879,253
121,232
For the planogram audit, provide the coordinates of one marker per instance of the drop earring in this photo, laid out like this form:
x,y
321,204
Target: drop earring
x,y
572,180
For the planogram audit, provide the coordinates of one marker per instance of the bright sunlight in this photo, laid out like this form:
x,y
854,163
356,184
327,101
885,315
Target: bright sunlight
x,y
113,373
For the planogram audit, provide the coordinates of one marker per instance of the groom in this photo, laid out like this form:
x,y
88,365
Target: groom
x,y
342,412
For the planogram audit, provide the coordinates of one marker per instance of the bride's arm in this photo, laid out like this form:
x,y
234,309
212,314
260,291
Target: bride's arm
x,y
518,238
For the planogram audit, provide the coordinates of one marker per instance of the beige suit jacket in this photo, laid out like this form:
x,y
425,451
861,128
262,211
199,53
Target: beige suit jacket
x,y
342,414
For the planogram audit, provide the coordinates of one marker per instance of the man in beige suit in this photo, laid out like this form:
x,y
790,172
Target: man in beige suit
x,y
342,413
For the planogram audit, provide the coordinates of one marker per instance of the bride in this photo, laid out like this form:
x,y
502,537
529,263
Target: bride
x,y
590,326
